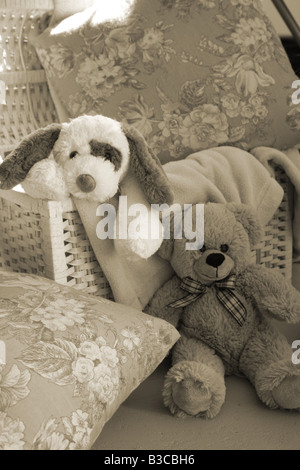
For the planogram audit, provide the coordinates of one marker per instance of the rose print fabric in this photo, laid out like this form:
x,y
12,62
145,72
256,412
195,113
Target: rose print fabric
x,y
71,360
189,74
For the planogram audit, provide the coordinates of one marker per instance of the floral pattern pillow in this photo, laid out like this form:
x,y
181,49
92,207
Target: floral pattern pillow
x,y
189,74
67,361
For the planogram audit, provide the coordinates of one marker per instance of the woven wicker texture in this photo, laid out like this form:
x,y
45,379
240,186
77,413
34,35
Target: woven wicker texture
x,y
275,250
28,102
48,238
45,238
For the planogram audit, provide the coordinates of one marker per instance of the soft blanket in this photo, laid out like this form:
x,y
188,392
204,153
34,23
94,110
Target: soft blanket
x,y
217,175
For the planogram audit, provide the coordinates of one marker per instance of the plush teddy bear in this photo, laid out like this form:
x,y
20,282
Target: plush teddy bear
x,y
221,304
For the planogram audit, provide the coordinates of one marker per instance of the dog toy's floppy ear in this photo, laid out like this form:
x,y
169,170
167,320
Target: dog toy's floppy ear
x,y
32,149
147,168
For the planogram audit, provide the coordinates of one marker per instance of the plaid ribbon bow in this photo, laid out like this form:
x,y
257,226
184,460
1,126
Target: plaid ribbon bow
x,y
225,295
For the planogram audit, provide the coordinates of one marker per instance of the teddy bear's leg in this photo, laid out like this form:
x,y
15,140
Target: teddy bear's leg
x,y
267,362
195,384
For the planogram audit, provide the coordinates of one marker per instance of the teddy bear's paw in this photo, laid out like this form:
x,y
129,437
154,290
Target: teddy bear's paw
x,y
194,389
287,393
192,397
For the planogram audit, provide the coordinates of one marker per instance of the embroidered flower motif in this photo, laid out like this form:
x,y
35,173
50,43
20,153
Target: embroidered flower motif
x,y
13,386
90,350
118,40
249,34
100,77
249,74
48,438
293,118
154,45
104,385
108,356
78,429
231,104
81,441
62,60
83,369
204,126
79,103
247,111
80,421
59,314
171,124
244,3
138,113
192,93
131,340
45,59
90,361
11,433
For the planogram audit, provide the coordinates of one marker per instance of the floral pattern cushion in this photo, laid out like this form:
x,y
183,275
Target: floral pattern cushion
x,y
67,361
189,74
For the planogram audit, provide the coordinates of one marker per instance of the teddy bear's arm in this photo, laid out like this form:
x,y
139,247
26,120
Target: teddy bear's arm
x,y
158,305
271,293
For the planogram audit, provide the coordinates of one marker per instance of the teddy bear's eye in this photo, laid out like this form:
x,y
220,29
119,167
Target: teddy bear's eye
x,y
224,248
203,249
73,154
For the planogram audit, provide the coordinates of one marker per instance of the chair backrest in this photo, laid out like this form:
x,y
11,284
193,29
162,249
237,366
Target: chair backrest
x,y
288,18
26,103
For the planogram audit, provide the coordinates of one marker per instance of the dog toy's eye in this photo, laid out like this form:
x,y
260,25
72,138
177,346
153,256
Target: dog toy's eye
x,y
73,154
108,155
224,248
203,249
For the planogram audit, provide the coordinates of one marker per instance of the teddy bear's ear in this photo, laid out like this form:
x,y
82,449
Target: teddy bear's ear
x,y
246,216
147,168
32,149
166,249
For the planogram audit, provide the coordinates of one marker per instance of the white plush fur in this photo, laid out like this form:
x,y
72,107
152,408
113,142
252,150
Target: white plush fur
x,y
75,136
107,180
39,181
145,245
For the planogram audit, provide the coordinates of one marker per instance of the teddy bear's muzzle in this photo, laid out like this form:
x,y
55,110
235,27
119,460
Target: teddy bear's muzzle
x,y
213,265
86,183
215,259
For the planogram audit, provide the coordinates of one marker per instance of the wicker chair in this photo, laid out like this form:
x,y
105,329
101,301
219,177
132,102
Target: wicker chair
x,y
47,237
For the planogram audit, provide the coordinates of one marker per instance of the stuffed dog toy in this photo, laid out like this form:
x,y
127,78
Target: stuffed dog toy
x,y
93,158
87,158
222,304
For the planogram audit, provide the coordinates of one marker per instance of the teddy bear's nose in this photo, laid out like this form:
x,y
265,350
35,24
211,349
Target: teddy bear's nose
x,y
215,259
86,183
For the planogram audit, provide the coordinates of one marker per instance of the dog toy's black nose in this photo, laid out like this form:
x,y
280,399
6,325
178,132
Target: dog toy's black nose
x,y
215,259
86,183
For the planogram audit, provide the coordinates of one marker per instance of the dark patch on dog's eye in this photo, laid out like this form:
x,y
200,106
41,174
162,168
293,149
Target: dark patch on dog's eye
x,y
73,154
224,248
203,249
108,152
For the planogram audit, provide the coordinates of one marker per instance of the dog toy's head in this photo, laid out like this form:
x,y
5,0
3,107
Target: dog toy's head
x,y
92,155
230,231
